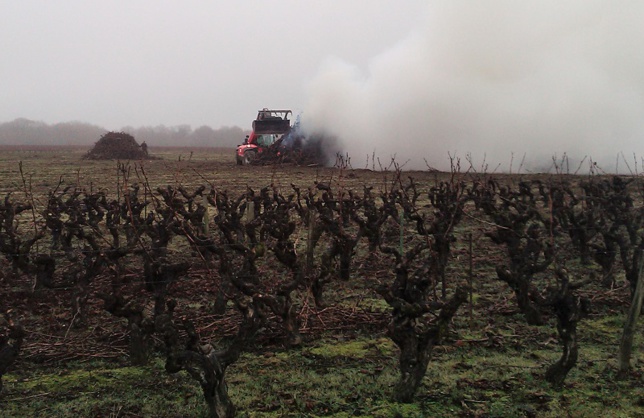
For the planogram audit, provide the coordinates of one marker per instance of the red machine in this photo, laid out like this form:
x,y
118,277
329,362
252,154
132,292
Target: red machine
x,y
268,128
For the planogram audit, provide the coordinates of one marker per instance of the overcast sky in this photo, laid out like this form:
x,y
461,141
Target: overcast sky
x,y
494,78
150,62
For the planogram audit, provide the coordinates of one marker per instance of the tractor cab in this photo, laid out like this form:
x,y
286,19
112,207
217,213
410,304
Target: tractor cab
x,y
268,128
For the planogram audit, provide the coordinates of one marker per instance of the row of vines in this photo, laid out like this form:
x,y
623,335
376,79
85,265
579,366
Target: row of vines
x,y
268,252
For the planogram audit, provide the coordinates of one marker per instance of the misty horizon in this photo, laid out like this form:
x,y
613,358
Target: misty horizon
x,y
419,81
23,131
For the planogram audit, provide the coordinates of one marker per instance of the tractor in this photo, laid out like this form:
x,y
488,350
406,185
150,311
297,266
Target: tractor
x,y
268,129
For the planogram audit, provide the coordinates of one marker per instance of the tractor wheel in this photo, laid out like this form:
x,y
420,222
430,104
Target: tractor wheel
x,y
249,156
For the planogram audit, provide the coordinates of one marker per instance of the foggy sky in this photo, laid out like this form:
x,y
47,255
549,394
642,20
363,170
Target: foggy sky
x,y
415,79
151,62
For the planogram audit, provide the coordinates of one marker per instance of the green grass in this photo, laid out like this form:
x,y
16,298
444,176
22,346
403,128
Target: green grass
x,y
341,378
101,389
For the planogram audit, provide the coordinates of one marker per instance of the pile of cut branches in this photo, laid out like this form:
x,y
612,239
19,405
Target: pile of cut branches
x,y
117,146
295,150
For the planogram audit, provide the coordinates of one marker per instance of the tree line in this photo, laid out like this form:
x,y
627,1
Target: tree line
x,y
23,131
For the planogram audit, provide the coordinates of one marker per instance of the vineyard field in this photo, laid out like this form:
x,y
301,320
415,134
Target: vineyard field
x,y
120,280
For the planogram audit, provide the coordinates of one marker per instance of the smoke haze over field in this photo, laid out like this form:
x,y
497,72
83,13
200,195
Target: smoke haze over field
x,y
417,79
494,79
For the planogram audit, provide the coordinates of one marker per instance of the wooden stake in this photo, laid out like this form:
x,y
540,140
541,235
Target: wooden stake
x,y
626,345
250,211
206,215
402,232
471,281
309,242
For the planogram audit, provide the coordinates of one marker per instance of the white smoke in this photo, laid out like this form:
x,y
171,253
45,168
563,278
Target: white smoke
x,y
495,80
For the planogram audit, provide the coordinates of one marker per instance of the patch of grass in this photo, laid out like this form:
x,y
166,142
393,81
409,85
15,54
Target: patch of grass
x,y
342,378
101,389
352,348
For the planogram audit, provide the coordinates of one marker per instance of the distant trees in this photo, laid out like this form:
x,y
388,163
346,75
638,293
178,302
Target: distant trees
x,y
203,136
28,132
23,131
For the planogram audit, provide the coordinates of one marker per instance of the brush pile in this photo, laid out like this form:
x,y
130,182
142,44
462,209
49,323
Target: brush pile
x,y
117,146
296,150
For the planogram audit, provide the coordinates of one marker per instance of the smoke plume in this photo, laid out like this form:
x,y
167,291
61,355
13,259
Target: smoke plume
x,y
494,81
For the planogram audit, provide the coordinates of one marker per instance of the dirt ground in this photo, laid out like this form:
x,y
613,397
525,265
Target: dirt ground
x,y
44,167
492,365
26,172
